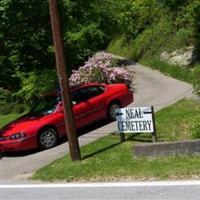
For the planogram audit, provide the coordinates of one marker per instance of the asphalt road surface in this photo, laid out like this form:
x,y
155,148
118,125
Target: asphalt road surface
x,y
104,191
153,89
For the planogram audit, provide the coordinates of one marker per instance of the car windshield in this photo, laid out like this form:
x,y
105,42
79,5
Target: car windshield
x,y
45,105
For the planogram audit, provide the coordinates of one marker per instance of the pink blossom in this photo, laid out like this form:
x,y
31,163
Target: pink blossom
x,y
101,68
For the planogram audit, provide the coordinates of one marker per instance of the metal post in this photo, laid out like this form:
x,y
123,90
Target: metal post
x,y
63,81
154,134
122,137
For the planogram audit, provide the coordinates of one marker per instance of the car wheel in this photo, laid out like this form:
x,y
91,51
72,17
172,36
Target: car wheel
x,y
48,138
112,111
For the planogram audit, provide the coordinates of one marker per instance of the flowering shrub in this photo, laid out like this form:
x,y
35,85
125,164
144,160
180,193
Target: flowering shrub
x,y
102,68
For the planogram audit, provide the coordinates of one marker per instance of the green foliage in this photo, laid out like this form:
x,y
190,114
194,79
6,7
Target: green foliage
x,y
196,80
8,103
174,26
157,26
195,13
173,5
83,42
137,15
5,95
152,40
141,29
36,84
14,107
26,41
120,45
19,108
6,108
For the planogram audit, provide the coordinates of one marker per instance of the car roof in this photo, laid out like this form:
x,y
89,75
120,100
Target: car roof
x,y
76,87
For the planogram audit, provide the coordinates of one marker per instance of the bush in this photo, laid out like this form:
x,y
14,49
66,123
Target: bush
x,y
5,95
196,80
7,108
102,68
82,43
19,108
153,40
36,84
157,26
120,45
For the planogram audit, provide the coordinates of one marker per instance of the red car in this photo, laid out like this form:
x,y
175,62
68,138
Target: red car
x,y
44,124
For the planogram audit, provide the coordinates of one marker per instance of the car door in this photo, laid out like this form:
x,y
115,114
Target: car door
x,y
81,107
97,101
58,121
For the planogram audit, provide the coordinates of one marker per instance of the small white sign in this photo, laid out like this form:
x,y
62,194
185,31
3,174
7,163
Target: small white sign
x,y
135,120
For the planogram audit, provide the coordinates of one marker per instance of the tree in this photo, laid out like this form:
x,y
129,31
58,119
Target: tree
x,y
25,39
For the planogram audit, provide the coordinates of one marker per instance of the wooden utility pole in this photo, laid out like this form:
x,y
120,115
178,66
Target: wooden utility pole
x,y
63,81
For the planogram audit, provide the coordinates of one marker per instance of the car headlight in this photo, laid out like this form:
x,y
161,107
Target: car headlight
x,y
17,136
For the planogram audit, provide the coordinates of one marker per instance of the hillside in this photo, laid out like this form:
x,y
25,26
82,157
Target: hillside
x,y
152,27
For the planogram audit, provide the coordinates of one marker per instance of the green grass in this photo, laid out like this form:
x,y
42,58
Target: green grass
x,y
180,73
107,159
120,46
5,119
10,111
177,122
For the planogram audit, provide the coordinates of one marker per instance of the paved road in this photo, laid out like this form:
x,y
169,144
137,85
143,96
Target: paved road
x,y
153,89
104,191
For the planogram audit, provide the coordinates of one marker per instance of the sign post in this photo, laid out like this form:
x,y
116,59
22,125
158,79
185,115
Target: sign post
x,y
136,120
154,134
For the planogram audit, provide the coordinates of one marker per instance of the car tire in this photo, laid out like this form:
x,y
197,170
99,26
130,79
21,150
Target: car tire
x,y
111,111
47,138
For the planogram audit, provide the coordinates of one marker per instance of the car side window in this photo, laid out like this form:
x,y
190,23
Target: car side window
x,y
80,96
86,93
95,91
75,97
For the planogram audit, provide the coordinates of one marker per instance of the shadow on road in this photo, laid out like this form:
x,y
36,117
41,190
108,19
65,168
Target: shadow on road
x,y
19,154
126,62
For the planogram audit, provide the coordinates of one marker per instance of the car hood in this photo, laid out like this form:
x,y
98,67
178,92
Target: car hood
x,y
22,124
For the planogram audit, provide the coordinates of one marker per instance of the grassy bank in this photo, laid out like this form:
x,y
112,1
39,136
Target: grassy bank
x,y
120,46
5,119
107,159
10,111
177,72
